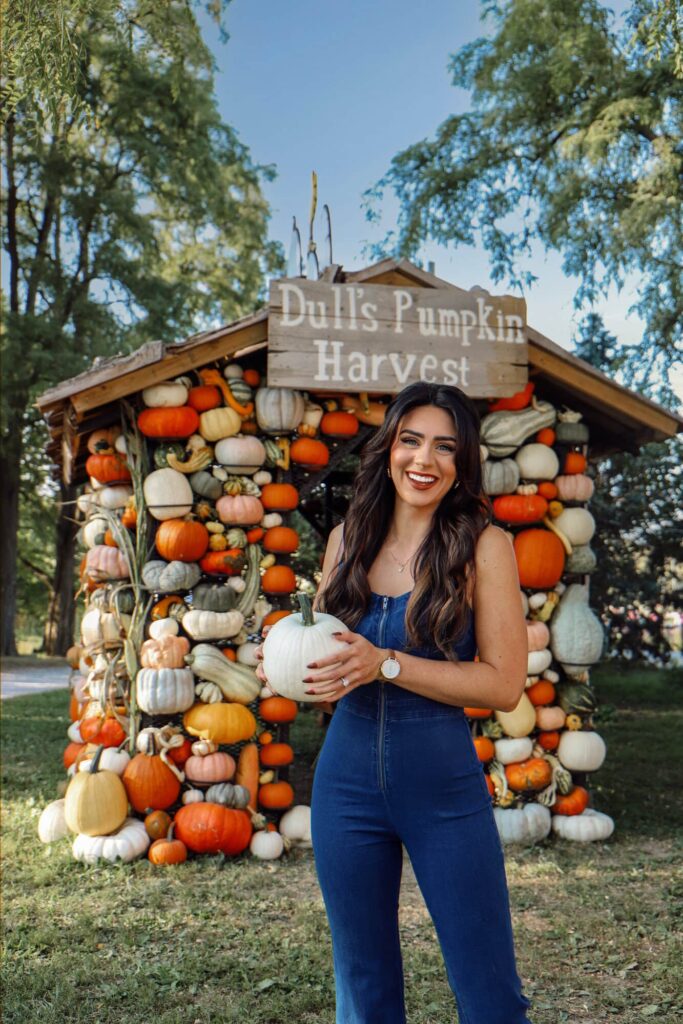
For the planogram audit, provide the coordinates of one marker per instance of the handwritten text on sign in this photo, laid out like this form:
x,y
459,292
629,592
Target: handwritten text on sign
x,y
335,337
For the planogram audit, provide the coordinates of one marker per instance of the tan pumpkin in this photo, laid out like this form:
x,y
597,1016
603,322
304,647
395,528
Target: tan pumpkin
x,y
216,767
550,718
168,651
239,510
95,802
215,424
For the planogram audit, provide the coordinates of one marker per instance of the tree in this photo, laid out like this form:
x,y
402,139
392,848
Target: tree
x,y
142,218
638,509
574,139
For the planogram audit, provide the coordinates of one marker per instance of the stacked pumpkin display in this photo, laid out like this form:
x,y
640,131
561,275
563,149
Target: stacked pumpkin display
x,y
166,662
537,755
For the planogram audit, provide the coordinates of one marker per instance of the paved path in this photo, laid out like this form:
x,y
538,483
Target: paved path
x,y
19,680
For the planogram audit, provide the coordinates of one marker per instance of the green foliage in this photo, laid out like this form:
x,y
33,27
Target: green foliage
x,y
574,138
132,211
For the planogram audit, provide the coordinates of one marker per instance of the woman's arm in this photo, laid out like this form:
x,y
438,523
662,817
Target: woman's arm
x,y
495,681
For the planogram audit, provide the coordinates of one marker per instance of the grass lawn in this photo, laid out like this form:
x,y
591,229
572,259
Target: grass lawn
x,y
217,941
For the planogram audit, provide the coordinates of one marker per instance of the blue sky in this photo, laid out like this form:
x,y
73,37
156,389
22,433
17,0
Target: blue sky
x,y
341,89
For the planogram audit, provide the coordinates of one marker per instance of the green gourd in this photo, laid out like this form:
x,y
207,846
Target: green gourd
x,y
576,633
214,597
502,432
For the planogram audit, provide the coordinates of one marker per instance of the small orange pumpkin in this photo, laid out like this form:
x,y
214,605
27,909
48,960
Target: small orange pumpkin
x,y
275,755
548,740
279,497
278,579
575,802
533,774
275,796
278,709
574,462
272,617
157,824
339,424
541,693
311,454
281,540
546,436
547,489
484,748
478,712
204,397
167,850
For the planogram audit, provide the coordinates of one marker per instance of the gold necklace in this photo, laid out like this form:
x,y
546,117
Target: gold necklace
x,y
401,565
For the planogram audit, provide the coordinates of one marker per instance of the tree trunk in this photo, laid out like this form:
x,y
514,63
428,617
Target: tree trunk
x,y
10,461
59,625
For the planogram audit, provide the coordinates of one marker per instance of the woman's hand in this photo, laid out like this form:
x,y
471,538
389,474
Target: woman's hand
x,y
358,664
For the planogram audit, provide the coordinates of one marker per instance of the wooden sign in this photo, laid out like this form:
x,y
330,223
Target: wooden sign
x,y
378,338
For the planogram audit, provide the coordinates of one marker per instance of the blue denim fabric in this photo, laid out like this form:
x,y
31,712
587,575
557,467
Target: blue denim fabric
x,y
397,769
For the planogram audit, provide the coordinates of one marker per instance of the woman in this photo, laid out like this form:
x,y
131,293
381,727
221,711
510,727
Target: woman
x,y
422,582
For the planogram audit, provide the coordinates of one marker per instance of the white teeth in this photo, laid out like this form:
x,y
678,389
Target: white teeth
x,y
421,479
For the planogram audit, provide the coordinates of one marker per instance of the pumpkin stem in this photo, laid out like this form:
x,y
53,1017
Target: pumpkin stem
x,y
306,609
95,763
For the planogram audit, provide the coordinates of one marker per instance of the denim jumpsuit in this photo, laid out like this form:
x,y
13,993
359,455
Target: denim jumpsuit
x,y
397,769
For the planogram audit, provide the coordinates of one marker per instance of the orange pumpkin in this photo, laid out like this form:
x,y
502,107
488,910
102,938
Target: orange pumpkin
x,y
279,497
179,755
541,693
311,454
339,424
150,784
574,462
105,731
204,397
223,563
247,773
575,802
157,824
213,828
230,653
252,378
272,617
169,421
274,755
278,709
519,508
533,774
275,796
548,740
103,440
478,712
255,534
547,489
249,427
281,540
180,540
278,579
546,436
107,468
167,850
71,752
489,785
519,400
540,558
484,748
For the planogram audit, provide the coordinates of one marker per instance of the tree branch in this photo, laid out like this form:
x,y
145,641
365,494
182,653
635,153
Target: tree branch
x,y
43,576
12,204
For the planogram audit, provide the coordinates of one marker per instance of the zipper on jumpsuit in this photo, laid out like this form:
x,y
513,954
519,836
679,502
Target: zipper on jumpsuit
x,y
382,699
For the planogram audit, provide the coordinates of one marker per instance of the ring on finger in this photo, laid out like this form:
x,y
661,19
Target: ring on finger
x,y
344,681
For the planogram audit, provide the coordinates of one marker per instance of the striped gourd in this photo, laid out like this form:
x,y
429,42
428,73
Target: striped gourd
x,y
504,431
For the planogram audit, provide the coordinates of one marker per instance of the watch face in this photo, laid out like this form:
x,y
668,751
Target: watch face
x,y
390,668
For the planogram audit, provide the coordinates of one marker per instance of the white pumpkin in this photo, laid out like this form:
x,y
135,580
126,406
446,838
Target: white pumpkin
x,y
99,627
537,462
295,825
267,845
52,823
271,519
537,661
509,750
168,494
262,477
207,625
192,796
581,750
293,643
111,759
500,476
577,524
279,410
165,691
163,627
241,454
114,497
171,393
125,844
74,732
589,827
528,824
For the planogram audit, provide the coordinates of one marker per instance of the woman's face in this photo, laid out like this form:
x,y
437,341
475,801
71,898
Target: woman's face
x,y
422,456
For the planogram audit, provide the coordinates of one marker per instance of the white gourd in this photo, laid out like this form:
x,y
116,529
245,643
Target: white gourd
x,y
537,462
518,722
500,476
125,844
528,824
201,625
293,643
279,410
577,524
163,627
295,825
111,760
241,454
94,530
168,494
589,827
538,661
114,497
52,823
581,750
509,750
192,796
169,394
164,691
577,636
267,845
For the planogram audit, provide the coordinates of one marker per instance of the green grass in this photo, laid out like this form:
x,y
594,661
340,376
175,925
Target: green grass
x,y
226,941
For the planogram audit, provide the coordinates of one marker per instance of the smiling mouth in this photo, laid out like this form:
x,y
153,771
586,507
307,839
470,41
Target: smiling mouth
x,y
421,479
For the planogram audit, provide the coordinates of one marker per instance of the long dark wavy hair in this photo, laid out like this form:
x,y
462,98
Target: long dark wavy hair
x,y
438,609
